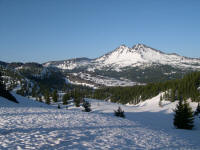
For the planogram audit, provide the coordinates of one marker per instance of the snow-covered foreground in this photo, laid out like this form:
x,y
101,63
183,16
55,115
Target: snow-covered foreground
x,y
33,125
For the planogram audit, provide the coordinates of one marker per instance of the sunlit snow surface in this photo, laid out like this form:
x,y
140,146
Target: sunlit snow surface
x,y
33,125
139,55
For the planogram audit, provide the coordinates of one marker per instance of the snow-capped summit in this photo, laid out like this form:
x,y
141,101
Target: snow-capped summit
x,y
139,63
141,54
124,56
138,46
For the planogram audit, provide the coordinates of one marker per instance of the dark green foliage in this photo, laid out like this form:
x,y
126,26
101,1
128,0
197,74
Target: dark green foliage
x,y
34,91
183,118
160,101
119,112
77,101
47,98
55,96
40,99
197,110
185,87
13,79
2,86
42,78
155,73
87,106
65,99
5,93
52,80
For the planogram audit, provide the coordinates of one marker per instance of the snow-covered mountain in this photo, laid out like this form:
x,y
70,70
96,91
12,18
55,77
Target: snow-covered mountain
x,y
69,64
123,56
123,66
140,55
140,63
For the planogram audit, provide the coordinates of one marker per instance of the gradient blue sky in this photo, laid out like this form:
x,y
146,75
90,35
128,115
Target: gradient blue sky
x,y
43,30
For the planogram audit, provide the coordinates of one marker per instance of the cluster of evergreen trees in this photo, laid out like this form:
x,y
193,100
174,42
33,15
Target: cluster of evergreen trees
x,y
187,87
5,93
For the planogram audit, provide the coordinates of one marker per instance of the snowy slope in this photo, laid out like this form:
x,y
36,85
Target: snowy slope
x,y
69,64
150,115
32,125
140,64
123,56
141,54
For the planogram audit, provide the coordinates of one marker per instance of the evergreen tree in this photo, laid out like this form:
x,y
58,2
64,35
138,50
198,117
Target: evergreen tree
x,y
65,99
77,101
183,118
119,112
37,99
5,93
160,102
55,96
2,86
40,99
87,106
47,98
197,110
34,91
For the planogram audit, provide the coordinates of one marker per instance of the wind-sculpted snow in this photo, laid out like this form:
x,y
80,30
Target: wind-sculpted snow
x,y
41,127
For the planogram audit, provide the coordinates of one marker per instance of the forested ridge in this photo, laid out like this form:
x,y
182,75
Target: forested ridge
x,y
186,87
40,83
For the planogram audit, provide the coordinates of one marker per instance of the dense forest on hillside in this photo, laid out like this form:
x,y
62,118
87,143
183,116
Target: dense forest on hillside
x,y
155,73
37,81
186,87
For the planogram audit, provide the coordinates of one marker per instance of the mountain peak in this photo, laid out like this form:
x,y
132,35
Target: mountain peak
x,y
124,56
123,46
139,46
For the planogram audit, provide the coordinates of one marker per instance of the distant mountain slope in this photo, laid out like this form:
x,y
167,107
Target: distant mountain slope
x,y
141,54
123,56
123,66
139,64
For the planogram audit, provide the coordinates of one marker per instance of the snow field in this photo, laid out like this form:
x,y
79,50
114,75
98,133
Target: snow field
x,y
33,125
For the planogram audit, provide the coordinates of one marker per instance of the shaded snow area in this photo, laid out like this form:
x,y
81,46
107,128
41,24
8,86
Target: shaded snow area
x,y
34,125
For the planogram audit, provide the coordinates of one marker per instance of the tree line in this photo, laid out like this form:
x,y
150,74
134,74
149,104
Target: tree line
x,y
186,87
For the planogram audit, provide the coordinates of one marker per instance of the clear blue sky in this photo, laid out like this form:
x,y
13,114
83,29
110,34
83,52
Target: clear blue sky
x,y
43,30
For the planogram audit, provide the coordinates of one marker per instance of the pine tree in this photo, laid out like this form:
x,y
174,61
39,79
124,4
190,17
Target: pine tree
x,y
55,96
2,86
40,99
77,101
183,118
65,99
5,93
87,106
119,112
197,110
47,98
160,102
